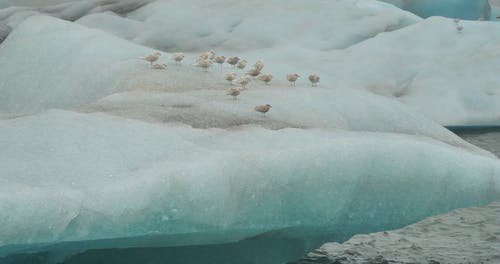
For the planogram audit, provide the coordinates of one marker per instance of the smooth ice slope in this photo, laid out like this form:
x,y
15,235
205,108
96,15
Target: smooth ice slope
x,y
47,62
89,176
451,77
242,25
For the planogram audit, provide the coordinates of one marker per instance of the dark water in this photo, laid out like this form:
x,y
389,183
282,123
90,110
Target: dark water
x,y
485,137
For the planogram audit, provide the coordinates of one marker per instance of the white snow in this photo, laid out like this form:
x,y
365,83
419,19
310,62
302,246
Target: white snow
x,y
238,26
449,76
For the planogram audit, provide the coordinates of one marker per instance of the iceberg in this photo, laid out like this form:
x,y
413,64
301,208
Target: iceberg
x,y
94,176
464,9
244,25
431,67
103,150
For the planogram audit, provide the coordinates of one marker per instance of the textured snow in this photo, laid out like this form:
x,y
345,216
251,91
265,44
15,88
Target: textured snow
x,y
96,66
470,235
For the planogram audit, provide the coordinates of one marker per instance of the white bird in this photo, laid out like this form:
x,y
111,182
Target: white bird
x,y
207,55
230,77
241,64
233,61
220,60
152,57
314,79
234,92
292,78
263,108
456,20
244,81
204,64
178,57
460,28
253,72
266,78
259,65
161,66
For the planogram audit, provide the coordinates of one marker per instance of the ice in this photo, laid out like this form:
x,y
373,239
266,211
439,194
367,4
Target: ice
x,y
98,145
495,9
48,62
244,25
90,176
446,75
464,9
96,66
15,12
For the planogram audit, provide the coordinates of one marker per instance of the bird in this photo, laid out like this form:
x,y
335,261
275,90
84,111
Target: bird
x,y
259,65
314,79
178,57
233,60
241,64
161,66
243,81
207,55
456,20
266,78
220,60
292,78
253,72
460,28
234,92
152,57
230,77
205,64
263,108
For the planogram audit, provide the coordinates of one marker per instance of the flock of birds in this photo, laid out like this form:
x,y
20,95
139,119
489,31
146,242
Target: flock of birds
x,y
206,59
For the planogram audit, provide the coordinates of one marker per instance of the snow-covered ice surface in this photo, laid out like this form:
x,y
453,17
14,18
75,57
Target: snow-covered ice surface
x,y
470,235
97,145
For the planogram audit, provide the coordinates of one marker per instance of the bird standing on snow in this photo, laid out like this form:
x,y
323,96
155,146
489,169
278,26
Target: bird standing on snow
x,y
207,55
234,92
314,79
241,64
263,108
178,57
157,66
220,60
243,81
230,77
204,64
233,61
152,58
259,65
266,78
292,78
253,72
